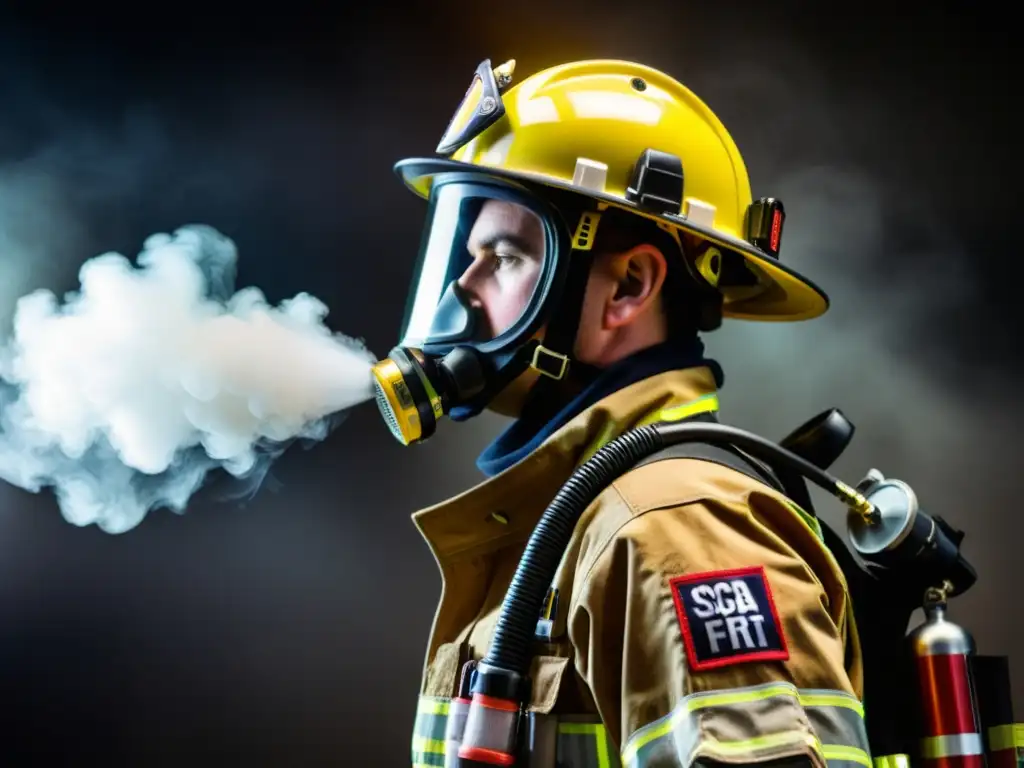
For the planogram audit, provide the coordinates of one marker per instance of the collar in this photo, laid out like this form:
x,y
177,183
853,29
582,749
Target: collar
x,y
505,508
533,427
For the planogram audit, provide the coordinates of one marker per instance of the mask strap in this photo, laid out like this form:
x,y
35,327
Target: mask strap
x,y
553,355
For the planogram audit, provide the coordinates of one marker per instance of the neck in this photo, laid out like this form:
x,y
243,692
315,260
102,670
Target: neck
x,y
648,333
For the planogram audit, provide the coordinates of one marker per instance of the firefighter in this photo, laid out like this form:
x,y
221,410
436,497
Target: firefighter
x,y
585,226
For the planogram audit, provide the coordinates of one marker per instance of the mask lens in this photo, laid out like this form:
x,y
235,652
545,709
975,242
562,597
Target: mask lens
x,y
480,271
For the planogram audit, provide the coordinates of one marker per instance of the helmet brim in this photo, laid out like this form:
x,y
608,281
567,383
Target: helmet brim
x,y
787,297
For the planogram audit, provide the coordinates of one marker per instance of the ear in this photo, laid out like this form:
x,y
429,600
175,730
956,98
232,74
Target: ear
x,y
640,274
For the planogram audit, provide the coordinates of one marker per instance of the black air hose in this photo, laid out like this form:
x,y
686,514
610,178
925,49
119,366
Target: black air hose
x,y
511,647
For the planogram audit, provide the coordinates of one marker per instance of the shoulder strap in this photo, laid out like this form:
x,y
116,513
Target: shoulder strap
x,y
728,456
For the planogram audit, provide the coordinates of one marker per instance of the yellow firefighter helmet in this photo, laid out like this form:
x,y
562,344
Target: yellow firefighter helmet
x,y
632,137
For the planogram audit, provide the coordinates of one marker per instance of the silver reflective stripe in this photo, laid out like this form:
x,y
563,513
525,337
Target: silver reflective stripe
x,y
490,728
428,745
838,722
953,745
458,709
756,723
837,725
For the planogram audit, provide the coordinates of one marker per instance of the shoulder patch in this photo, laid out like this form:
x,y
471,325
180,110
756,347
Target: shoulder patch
x,y
728,617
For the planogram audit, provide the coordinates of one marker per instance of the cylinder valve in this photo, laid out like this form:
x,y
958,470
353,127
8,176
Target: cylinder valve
x,y
942,651
901,536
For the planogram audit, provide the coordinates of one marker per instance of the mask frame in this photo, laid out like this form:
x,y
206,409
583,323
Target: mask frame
x,y
550,282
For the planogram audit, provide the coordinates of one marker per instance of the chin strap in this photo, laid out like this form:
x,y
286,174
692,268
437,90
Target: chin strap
x,y
553,357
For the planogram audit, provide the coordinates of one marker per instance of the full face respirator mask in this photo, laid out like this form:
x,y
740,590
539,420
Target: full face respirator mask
x,y
486,279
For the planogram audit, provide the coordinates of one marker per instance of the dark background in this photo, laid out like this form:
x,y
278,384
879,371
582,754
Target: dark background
x,y
290,630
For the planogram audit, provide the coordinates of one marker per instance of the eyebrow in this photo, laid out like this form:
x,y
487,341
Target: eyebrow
x,y
509,238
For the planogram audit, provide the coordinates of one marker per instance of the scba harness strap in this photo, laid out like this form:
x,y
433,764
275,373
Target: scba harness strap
x,y
731,457
790,484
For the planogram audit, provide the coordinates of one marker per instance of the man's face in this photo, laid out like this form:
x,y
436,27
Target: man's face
x,y
507,246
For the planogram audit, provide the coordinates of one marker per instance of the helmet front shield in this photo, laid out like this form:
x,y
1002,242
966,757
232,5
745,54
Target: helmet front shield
x,y
488,263
479,109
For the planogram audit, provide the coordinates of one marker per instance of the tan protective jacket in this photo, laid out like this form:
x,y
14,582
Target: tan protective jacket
x,y
696,613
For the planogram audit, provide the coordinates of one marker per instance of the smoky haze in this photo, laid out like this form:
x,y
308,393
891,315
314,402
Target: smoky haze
x,y
290,629
124,396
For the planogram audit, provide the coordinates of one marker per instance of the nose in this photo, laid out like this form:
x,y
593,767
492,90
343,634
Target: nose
x,y
469,281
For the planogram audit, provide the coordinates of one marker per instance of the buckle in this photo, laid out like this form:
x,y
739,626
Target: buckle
x,y
549,355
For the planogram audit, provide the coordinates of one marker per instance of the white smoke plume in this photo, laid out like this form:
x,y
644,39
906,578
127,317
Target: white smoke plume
x,y
127,394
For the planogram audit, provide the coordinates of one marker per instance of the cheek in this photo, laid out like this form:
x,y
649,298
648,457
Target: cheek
x,y
504,301
495,307
517,293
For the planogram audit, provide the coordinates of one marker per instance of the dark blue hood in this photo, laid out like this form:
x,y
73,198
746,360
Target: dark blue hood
x,y
528,432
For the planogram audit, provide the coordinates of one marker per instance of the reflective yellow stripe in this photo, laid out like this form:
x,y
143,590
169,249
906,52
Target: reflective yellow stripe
x,y
430,706
893,761
821,701
588,728
703,404
806,698
597,731
1006,737
851,754
808,519
692,703
603,757
741,695
422,745
830,700
428,732
735,748
687,705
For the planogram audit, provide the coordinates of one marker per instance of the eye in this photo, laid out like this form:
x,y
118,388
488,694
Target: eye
x,y
504,259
